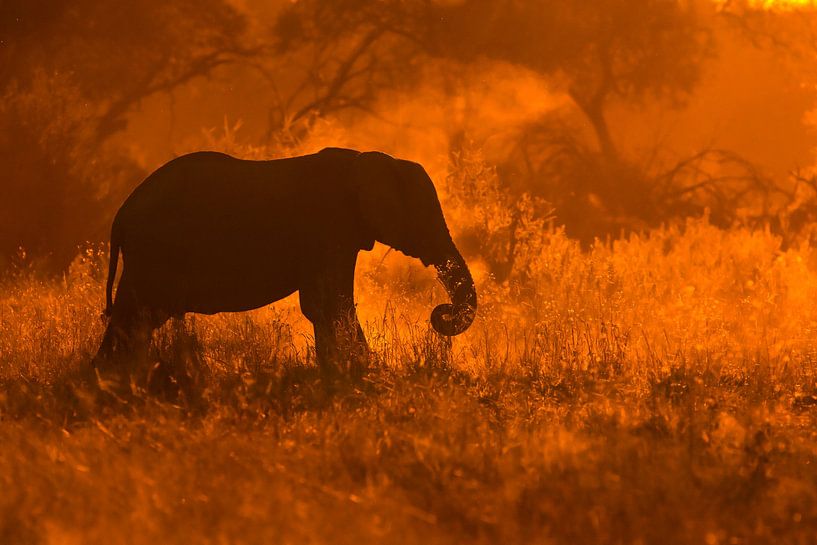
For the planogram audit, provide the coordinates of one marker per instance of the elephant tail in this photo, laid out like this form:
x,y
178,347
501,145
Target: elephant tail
x,y
114,260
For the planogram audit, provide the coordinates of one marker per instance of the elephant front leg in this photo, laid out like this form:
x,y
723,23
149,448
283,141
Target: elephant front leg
x,y
339,339
328,303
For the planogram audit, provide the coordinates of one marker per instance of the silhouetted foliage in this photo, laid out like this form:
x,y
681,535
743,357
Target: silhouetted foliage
x,y
506,229
70,73
335,56
595,194
59,181
599,54
595,52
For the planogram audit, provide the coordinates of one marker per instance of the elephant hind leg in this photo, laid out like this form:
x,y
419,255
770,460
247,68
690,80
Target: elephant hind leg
x,y
128,334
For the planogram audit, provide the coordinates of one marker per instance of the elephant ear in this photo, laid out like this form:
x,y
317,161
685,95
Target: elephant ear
x,y
381,197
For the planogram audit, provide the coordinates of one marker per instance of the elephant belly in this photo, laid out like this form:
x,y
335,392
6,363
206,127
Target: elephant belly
x,y
217,299
218,282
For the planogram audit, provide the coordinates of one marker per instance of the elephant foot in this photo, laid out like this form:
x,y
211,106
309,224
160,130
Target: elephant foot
x,y
116,373
344,365
357,363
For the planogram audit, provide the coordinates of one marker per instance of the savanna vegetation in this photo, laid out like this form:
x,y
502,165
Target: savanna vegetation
x,y
631,183
660,389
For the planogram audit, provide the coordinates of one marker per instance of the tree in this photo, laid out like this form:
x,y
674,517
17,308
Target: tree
x,y
70,74
330,57
597,53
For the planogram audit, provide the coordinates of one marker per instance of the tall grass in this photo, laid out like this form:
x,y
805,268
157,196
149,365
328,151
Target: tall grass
x,y
659,389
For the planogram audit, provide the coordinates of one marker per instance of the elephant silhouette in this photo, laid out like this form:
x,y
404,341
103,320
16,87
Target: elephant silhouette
x,y
209,233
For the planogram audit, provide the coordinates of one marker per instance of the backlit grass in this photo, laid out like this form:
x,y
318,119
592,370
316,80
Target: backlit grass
x,y
660,389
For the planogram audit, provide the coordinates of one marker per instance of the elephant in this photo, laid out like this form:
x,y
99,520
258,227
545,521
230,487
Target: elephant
x,y
209,233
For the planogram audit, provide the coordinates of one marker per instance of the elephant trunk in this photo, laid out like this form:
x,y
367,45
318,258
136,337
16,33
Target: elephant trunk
x,y
454,318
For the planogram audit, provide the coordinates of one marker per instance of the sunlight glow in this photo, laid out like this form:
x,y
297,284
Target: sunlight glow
x,y
783,4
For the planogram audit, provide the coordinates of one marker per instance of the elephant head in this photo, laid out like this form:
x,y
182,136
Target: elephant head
x,y
399,207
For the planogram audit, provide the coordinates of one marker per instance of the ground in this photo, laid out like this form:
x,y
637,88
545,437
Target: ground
x,y
659,389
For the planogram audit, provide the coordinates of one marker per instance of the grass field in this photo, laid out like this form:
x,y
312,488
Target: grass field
x,y
661,389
